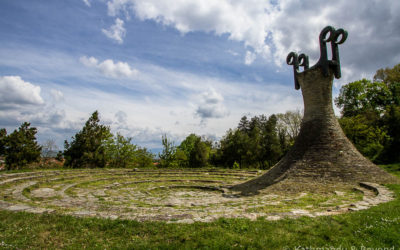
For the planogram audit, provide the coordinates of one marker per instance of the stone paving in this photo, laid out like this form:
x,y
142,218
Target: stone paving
x,y
182,196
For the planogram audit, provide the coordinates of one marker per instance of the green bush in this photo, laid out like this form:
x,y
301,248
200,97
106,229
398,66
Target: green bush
x,y
20,147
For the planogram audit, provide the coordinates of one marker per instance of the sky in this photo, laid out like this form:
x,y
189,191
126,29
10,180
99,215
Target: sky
x,y
174,67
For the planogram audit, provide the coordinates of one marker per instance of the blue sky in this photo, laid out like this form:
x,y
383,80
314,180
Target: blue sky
x,y
175,67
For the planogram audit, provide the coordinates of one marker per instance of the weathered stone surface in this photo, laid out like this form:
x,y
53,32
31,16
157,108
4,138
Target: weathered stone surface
x,y
140,198
84,213
43,192
18,207
39,210
17,193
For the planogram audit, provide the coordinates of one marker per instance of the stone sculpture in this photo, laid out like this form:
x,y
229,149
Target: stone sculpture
x,y
321,152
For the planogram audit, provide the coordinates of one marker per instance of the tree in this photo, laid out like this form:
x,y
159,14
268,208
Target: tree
x,y
391,119
200,154
363,96
370,115
244,124
289,123
21,147
388,75
60,156
185,150
254,143
48,148
120,152
3,136
144,158
271,148
88,146
366,137
232,147
167,156
363,105
194,151
395,90
391,151
181,158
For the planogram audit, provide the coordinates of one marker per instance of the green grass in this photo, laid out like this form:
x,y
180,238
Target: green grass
x,y
316,201
377,227
392,168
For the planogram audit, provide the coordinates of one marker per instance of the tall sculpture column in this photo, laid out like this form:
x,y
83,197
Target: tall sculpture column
x,y
321,152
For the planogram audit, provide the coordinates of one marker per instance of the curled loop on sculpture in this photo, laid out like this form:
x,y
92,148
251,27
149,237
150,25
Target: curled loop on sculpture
x,y
327,35
292,59
323,39
342,34
324,32
303,61
339,38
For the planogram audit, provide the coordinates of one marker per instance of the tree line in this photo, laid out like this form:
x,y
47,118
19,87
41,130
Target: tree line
x,y
370,115
370,118
92,147
256,142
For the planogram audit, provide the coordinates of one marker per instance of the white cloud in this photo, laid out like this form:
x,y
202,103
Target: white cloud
x,y
211,105
116,6
16,92
121,117
21,101
116,32
148,101
275,28
249,58
87,2
89,61
109,68
374,32
57,95
233,53
243,21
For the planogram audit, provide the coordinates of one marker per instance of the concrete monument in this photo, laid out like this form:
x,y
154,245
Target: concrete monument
x,y
321,152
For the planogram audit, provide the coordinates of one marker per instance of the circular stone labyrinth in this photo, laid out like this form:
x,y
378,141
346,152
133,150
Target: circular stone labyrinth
x,y
170,195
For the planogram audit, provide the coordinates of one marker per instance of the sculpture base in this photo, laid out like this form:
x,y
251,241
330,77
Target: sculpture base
x,y
321,154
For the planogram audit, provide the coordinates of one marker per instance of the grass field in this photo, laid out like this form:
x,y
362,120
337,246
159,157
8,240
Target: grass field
x,y
377,227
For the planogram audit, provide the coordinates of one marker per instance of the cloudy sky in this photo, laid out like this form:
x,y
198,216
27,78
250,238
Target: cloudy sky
x,y
173,66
